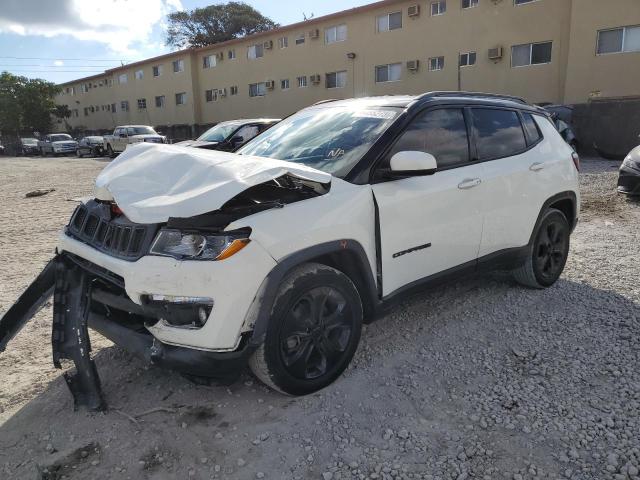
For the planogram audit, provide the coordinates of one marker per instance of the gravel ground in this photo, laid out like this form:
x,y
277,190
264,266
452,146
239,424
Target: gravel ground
x,y
477,379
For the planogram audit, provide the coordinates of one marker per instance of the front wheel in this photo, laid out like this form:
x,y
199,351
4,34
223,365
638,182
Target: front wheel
x,y
313,331
548,253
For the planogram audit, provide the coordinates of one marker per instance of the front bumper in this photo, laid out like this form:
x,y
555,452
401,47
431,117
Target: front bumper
x,y
233,285
629,181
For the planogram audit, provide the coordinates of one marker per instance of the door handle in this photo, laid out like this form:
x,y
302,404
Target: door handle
x,y
468,183
536,167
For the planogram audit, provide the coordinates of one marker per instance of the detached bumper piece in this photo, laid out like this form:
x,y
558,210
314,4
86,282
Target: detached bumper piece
x,y
70,335
86,295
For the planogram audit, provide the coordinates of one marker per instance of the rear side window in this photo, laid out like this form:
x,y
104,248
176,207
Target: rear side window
x,y
531,127
442,133
498,133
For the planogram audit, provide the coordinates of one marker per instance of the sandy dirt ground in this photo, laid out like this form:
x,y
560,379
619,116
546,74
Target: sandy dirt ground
x,y
477,379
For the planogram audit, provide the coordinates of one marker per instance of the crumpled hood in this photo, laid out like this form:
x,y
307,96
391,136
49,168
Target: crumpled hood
x,y
196,143
152,183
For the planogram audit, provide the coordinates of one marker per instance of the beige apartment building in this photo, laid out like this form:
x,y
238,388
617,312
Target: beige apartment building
x,y
560,51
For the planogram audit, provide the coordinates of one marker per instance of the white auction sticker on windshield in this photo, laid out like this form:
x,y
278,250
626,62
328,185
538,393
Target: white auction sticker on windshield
x,y
382,114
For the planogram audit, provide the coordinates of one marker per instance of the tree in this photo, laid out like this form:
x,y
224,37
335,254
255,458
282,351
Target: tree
x,y
215,24
27,104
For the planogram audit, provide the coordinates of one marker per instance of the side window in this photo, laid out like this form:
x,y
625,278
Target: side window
x,y
247,132
442,133
530,126
498,133
131,131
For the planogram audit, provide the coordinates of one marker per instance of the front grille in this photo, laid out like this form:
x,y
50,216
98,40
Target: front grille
x,y
92,223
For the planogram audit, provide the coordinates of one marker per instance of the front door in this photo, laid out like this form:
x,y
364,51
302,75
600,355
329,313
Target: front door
x,y
430,224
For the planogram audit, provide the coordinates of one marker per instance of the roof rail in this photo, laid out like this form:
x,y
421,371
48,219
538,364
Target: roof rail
x,y
329,100
453,93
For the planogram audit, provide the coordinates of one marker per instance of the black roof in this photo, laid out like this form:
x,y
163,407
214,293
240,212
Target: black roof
x,y
438,97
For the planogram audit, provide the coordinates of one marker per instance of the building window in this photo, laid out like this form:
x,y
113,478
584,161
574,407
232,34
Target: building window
x,y
388,73
467,59
139,74
231,54
438,8
181,98
436,64
160,101
300,39
336,79
390,21
124,105
531,54
284,84
211,95
178,66
113,108
257,89
86,111
142,104
619,40
157,70
302,81
234,90
335,34
255,51
469,3
209,61
122,78
283,42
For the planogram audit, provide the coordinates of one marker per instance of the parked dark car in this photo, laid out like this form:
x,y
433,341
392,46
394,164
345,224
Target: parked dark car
x,y
562,116
230,136
29,146
629,179
92,146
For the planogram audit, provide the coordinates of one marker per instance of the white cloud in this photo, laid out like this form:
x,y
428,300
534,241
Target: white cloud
x,y
125,26
58,63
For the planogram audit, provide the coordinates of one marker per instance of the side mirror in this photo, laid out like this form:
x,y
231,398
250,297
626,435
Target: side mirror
x,y
123,135
413,163
236,140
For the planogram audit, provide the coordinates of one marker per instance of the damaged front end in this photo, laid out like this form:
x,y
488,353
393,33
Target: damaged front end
x,y
123,225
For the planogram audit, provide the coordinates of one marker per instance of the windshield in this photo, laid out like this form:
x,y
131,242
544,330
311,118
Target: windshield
x,y
220,132
331,139
29,141
60,138
141,131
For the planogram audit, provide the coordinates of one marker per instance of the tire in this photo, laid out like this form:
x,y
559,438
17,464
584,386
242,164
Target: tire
x,y
313,332
110,152
42,154
548,253
78,154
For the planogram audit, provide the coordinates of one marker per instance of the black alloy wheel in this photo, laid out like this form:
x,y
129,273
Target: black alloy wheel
x,y
552,248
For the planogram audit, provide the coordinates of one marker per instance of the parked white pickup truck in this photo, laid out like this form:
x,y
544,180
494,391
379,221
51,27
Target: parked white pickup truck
x,y
129,134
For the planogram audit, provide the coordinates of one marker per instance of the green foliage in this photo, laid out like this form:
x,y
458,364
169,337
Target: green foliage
x,y
27,104
215,24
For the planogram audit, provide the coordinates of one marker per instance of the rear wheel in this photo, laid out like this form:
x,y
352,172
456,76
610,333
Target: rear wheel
x,y
548,254
313,331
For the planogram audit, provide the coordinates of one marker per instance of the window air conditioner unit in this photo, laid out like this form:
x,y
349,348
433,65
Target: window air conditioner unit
x,y
414,11
316,79
413,65
495,53
270,84
268,45
314,33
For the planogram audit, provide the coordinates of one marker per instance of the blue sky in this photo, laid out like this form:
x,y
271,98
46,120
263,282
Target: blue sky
x,y
60,40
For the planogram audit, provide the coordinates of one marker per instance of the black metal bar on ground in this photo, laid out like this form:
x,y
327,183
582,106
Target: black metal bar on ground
x,y
28,304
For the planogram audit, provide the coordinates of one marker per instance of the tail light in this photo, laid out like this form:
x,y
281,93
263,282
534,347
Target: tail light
x,y
115,210
576,160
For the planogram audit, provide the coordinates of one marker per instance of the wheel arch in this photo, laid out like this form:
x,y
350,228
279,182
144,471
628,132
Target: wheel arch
x,y
566,202
346,255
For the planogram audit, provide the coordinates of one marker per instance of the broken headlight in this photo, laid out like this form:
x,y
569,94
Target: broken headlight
x,y
198,246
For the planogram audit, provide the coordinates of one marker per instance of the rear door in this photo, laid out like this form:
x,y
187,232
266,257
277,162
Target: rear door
x,y
429,224
514,170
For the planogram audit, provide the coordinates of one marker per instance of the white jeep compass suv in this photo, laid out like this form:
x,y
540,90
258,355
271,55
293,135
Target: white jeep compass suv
x,y
203,261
